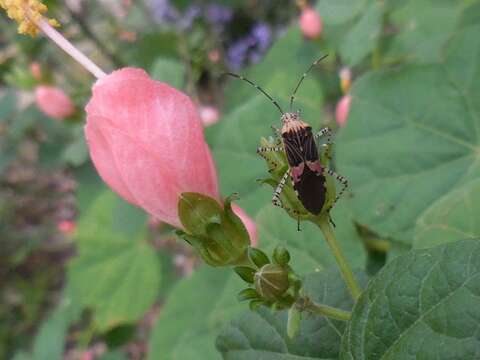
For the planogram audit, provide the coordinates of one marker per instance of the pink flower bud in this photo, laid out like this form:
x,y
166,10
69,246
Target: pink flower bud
x,y
36,70
248,222
66,227
53,102
345,79
146,141
214,56
310,23
209,115
342,110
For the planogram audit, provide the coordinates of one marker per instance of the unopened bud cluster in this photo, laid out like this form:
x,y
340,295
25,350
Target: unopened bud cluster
x,y
272,283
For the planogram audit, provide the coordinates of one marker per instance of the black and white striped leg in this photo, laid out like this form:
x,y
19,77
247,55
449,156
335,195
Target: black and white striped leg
x,y
266,149
276,194
343,181
327,132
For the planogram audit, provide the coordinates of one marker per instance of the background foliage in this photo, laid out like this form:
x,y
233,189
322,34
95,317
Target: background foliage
x,y
123,287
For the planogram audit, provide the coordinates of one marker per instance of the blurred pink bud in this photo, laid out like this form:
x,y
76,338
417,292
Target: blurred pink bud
x,y
345,79
342,110
146,141
128,36
36,70
53,102
310,23
66,227
214,56
248,222
209,115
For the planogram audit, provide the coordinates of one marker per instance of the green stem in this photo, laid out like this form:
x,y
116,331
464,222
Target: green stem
x,y
328,311
347,273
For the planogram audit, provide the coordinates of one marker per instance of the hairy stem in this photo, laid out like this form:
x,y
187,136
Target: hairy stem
x,y
328,311
347,273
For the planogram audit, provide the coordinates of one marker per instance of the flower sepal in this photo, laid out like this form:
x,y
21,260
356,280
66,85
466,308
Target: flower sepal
x,y
215,231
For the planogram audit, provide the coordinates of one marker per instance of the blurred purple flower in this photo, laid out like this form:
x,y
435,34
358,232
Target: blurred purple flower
x,y
163,11
192,12
218,14
250,48
262,35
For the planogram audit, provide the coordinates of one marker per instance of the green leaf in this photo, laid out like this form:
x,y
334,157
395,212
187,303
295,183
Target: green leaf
x,y
49,342
425,303
195,311
169,71
339,11
8,104
308,249
405,145
419,37
452,217
76,153
116,272
363,37
263,334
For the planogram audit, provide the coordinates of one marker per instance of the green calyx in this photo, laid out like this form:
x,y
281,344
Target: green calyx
x,y
215,231
277,166
272,283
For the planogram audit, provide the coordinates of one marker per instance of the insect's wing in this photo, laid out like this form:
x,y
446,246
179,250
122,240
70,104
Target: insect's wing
x,y
306,170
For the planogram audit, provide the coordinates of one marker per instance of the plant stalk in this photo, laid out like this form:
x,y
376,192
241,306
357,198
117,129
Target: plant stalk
x,y
328,311
347,273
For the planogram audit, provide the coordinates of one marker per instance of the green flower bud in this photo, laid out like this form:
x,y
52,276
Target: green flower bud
x,y
281,256
271,282
258,257
216,232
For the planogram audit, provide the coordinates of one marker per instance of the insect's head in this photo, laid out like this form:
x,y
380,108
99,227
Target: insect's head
x,y
290,117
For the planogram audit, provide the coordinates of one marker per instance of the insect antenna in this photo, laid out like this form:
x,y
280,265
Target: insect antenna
x,y
303,77
256,87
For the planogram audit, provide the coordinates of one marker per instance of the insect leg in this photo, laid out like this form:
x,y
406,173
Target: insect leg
x,y
276,195
266,149
328,133
342,181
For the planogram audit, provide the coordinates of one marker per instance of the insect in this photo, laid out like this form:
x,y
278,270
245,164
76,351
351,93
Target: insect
x,y
299,144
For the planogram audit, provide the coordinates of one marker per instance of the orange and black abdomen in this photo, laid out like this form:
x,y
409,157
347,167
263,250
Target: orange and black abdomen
x,y
305,168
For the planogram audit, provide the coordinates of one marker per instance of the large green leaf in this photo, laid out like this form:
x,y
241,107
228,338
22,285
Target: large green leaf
x,y
424,27
116,272
308,248
194,312
263,334
339,11
363,37
452,217
422,305
412,136
169,71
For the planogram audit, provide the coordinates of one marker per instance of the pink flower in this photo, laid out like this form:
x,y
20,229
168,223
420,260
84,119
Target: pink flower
x,y
248,222
209,115
53,102
342,110
67,227
146,141
310,23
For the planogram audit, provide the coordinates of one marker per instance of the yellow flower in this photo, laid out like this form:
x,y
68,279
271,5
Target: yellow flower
x,y
26,13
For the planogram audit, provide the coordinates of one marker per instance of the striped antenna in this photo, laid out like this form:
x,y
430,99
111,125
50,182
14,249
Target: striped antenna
x,y
303,77
258,88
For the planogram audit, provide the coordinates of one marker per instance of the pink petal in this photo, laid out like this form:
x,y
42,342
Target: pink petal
x,y
146,140
248,222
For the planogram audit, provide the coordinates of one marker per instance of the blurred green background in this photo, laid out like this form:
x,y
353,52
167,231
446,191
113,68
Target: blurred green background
x,y
83,275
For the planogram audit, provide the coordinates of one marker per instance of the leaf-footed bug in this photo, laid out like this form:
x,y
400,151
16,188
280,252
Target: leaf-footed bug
x,y
298,143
